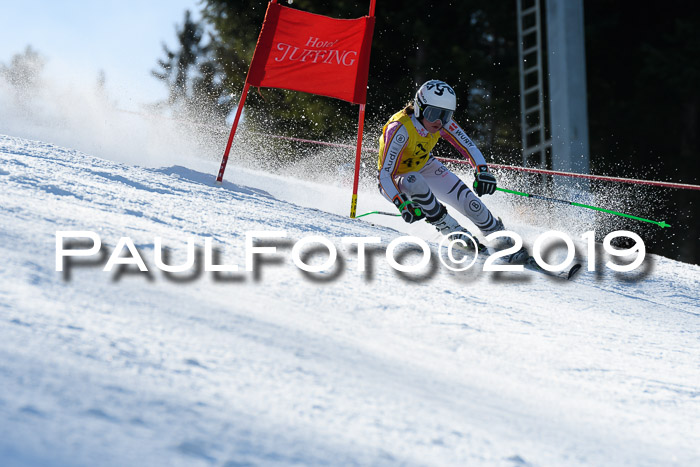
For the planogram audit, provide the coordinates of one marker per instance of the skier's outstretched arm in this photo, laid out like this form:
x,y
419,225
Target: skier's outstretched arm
x,y
484,181
457,137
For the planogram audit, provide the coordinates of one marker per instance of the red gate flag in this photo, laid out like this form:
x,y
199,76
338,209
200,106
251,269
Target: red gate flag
x,y
312,53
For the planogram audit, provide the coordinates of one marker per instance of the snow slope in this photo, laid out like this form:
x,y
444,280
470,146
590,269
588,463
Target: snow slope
x,y
345,368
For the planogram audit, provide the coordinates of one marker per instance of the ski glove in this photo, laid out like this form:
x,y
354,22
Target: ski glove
x,y
409,211
484,181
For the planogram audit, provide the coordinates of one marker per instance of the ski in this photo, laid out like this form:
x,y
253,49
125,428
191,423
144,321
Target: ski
x,y
569,274
531,264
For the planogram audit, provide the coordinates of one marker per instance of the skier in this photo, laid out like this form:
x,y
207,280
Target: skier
x,y
418,184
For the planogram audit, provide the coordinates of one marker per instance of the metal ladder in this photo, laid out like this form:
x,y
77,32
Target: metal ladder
x,y
536,145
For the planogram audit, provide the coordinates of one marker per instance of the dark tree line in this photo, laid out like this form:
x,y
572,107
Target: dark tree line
x,y
194,76
643,70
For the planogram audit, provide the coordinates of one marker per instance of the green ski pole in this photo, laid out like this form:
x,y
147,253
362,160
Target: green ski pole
x,y
393,214
383,213
661,224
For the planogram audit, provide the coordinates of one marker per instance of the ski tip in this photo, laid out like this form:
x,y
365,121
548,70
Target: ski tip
x,y
572,272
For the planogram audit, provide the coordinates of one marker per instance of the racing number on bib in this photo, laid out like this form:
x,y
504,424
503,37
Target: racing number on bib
x,y
421,154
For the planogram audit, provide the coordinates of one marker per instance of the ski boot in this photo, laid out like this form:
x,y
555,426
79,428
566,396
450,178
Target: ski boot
x,y
519,257
446,225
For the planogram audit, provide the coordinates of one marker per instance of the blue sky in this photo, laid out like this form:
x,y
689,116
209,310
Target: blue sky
x,y
78,38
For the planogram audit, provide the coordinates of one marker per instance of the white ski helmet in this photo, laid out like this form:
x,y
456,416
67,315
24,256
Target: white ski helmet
x,y
435,100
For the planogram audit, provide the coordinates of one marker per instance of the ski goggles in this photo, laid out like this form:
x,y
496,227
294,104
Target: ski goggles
x,y
433,114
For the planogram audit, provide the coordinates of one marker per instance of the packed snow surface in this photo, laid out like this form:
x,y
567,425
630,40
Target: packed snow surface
x,y
342,367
